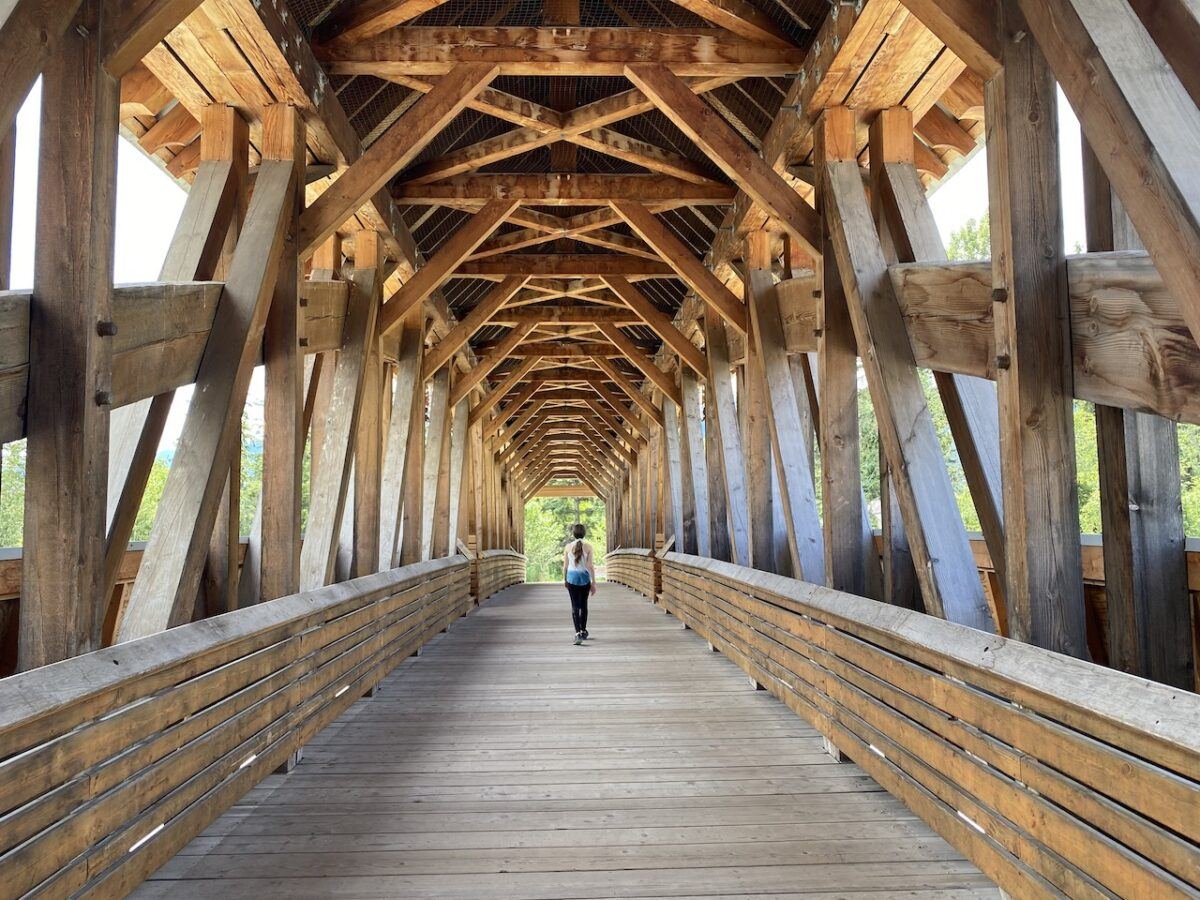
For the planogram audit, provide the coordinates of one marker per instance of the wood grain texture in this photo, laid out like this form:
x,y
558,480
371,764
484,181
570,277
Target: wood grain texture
x,y
70,363
1041,514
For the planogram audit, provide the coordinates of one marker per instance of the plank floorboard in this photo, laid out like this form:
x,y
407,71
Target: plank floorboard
x,y
507,762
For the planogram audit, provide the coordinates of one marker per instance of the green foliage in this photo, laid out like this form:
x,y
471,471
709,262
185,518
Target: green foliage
x,y
972,241
548,522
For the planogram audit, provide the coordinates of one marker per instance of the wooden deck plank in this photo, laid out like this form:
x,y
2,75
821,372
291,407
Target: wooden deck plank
x,y
506,762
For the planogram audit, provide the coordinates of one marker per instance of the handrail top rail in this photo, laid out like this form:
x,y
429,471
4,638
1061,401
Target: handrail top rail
x,y
37,693
506,551
1166,714
629,551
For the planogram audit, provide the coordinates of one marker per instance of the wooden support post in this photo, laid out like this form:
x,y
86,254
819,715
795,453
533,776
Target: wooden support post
x,y
368,439
692,445
1044,587
408,407
439,420
1148,609
205,237
672,466
70,357
459,463
797,491
889,131
950,584
971,404
720,539
328,503
166,585
283,404
849,548
756,434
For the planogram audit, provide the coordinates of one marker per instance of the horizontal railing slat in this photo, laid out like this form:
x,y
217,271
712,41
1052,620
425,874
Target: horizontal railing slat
x,y
1054,775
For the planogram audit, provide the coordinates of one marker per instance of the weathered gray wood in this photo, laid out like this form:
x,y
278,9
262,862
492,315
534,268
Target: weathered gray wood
x,y
691,440
797,491
458,469
672,469
283,401
408,405
70,373
1145,567
1044,587
727,431
435,439
970,402
945,566
328,503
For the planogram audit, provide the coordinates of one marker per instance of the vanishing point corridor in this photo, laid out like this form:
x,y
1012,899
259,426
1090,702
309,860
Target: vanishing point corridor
x,y
506,762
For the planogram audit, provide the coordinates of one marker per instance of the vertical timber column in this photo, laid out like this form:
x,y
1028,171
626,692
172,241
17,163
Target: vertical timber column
x,y
283,403
368,439
693,443
900,586
797,490
1030,308
414,481
848,552
439,416
672,462
756,434
408,407
459,466
70,361
1145,563
724,431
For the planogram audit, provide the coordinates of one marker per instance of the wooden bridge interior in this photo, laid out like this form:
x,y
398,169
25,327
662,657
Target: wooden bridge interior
x,y
642,250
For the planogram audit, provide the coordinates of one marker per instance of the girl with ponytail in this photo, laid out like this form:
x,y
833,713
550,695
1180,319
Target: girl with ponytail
x,y
579,577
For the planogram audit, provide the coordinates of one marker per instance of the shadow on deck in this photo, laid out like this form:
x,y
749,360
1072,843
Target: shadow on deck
x,y
506,762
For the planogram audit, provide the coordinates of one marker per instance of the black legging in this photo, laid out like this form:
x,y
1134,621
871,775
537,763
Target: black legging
x,y
579,598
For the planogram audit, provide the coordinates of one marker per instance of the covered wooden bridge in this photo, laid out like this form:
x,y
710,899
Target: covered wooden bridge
x,y
648,250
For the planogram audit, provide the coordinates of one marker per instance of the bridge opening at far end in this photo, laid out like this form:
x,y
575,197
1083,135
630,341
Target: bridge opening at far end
x,y
550,515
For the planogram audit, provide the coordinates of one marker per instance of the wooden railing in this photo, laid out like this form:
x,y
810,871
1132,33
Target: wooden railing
x,y
1055,776
633,568
496,570
112,761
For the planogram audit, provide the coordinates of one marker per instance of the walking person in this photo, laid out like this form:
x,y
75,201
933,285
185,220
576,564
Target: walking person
x,y
579,577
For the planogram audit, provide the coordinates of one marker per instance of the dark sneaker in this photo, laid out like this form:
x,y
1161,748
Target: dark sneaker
x,y
578,639
583,634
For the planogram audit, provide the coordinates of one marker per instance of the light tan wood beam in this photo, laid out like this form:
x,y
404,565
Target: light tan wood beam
x,y
359,21
140,25
391,152
725,147
498,393
470,380
469,191
968,28
448,257
442,352
405,51
70,370
165,590
625,383
658,321
661,379
686,266
29,35
727,431
551,265
740,18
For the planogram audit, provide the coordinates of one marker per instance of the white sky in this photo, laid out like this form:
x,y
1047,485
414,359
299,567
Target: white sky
x,y
149,203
